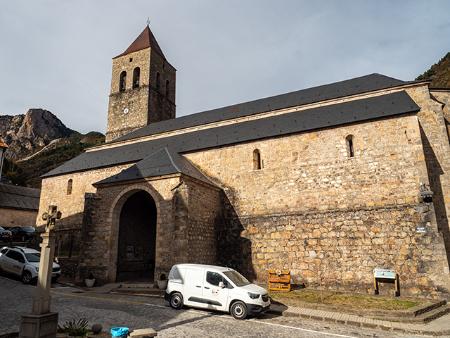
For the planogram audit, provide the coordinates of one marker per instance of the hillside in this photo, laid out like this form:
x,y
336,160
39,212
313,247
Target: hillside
x,y
38,142
439,73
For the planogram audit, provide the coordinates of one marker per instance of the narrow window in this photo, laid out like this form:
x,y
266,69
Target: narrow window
x,y
350,150
256,160
136,77
69,186
158,81
167,88
123,81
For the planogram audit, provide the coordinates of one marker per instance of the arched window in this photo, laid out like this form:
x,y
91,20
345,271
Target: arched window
x,y
167,88
257,163
158,81
350,149
136,77
69,186
123,81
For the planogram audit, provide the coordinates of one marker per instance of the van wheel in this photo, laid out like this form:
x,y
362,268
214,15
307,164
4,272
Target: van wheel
x,y
239,310
176,300
26,277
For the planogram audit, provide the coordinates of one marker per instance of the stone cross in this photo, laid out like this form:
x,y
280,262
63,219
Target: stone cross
x,y
41,300
42,323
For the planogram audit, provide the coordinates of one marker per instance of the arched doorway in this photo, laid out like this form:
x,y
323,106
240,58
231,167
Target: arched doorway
x,y
137,238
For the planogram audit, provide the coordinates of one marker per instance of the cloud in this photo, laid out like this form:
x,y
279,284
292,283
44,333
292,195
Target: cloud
x,y
57,54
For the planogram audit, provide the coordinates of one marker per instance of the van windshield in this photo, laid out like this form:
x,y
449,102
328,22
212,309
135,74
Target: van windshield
x,y
236,278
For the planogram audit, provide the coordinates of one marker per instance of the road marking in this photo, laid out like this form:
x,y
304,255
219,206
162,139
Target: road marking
x,y
302,329
227,317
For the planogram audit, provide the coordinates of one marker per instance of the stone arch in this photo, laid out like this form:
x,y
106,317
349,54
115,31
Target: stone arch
x,y
114,220
122,81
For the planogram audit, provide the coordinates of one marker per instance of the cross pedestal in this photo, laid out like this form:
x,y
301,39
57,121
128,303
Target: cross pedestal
x,y
42,323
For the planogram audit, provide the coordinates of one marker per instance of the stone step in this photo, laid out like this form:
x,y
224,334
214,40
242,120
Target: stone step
x,y
428,316
139,292
137,285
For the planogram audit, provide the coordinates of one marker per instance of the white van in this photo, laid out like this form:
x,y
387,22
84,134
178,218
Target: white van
x,y
215,287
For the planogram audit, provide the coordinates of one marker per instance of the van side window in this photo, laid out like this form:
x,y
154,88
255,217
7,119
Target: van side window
x,y
214,278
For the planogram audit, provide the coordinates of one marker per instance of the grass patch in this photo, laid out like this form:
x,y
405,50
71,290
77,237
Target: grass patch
x,y
343,300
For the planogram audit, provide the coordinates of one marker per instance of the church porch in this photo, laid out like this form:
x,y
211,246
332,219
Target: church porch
x,y
137,230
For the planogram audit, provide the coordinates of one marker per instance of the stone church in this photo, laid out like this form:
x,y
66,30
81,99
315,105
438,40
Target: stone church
x,y
329,182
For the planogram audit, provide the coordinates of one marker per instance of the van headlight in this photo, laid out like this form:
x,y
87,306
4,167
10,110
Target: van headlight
x,y
253,295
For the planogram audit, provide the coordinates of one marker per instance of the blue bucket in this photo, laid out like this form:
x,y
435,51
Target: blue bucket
x,y
119,332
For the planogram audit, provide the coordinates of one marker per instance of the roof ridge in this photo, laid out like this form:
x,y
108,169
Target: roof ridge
x,y
171,159
348,87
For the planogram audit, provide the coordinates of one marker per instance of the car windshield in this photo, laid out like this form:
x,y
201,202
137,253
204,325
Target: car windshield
x,y
236,278
33,257
28,229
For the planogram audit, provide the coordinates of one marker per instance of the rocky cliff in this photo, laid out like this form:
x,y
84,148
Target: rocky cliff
x,y
38,142
28,133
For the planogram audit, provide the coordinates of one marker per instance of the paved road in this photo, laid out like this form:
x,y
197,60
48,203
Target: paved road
x,y
138,312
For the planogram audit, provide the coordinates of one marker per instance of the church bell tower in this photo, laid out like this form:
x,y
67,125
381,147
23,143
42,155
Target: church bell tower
x,y
142,87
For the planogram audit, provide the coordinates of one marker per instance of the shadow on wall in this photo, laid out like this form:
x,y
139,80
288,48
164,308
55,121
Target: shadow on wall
x,y
434,170
233,250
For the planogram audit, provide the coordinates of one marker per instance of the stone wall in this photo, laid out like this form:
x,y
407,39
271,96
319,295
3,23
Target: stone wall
x,y
204,216
330,218
161,101
74,209
17,217
434,136
134,99
443,97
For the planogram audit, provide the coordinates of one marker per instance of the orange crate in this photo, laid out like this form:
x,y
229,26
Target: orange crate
x,y
279,280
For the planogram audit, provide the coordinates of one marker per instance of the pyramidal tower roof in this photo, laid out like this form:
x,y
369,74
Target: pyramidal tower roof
x,y
145,40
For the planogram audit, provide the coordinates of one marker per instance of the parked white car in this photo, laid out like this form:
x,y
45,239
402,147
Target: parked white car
x,y
215,287
24,262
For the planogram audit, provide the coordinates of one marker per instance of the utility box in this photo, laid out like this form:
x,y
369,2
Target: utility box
x,y
279,280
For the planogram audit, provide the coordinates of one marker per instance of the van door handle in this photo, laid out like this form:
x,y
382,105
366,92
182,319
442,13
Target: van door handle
x,y
198,286
206,287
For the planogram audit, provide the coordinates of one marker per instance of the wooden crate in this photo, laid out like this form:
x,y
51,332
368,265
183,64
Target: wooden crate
x,y
279,280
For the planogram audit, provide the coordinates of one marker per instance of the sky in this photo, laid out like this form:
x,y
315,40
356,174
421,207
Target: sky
x,y
56,54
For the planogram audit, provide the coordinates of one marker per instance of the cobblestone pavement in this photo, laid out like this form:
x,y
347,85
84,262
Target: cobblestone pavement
x,y
138,312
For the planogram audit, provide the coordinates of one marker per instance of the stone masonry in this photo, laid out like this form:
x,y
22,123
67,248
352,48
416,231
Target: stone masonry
x,y
328,217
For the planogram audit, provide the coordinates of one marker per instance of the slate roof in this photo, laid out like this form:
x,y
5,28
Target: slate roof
x,y
145,40
310,119
335,90
15,197
162,162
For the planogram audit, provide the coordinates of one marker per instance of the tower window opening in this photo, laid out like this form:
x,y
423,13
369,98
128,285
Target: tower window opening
x,y
257,163
158,81
136,77
167,88
123,81
350,149
69,187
